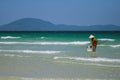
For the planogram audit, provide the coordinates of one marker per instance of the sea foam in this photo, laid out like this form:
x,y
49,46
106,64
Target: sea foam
x,y
113,46
106,39
90,59
9,37
50,43
13,55
31,51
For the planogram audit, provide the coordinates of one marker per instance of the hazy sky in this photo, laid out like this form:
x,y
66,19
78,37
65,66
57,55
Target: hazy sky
x,y
75,12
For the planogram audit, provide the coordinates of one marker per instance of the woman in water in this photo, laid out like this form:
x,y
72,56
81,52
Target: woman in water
x,y
93,42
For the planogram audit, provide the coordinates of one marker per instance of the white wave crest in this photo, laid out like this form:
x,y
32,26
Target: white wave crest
x,y
42,37
113,46
31,51
90,59
9,37
61,79
49,43
106,39
13,55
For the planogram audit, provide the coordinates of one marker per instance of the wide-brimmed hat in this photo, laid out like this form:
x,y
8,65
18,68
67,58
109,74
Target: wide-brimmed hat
x,y
91,36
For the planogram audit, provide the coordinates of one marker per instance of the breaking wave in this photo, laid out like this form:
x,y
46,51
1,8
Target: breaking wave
x,y
42,37
9,37
13,55
59,43
106,39
33,78
113,46
90,59
50,43
23,78
31,51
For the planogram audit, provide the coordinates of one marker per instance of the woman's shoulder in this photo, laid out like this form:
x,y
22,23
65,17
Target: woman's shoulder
x,y
95,39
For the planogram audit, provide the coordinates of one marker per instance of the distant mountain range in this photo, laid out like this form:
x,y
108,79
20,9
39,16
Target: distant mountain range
x,y
32,24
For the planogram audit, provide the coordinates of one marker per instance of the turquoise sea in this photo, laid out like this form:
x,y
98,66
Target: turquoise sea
x,y
59,56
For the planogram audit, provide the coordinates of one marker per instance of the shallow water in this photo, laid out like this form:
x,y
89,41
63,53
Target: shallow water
x,y
59,55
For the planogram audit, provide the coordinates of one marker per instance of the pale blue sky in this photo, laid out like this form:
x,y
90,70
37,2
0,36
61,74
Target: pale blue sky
x,y
75,12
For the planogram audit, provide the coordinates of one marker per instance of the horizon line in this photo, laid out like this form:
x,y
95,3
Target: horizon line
x,y
59,24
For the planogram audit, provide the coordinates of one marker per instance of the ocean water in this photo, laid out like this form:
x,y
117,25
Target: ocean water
x,y
59,55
